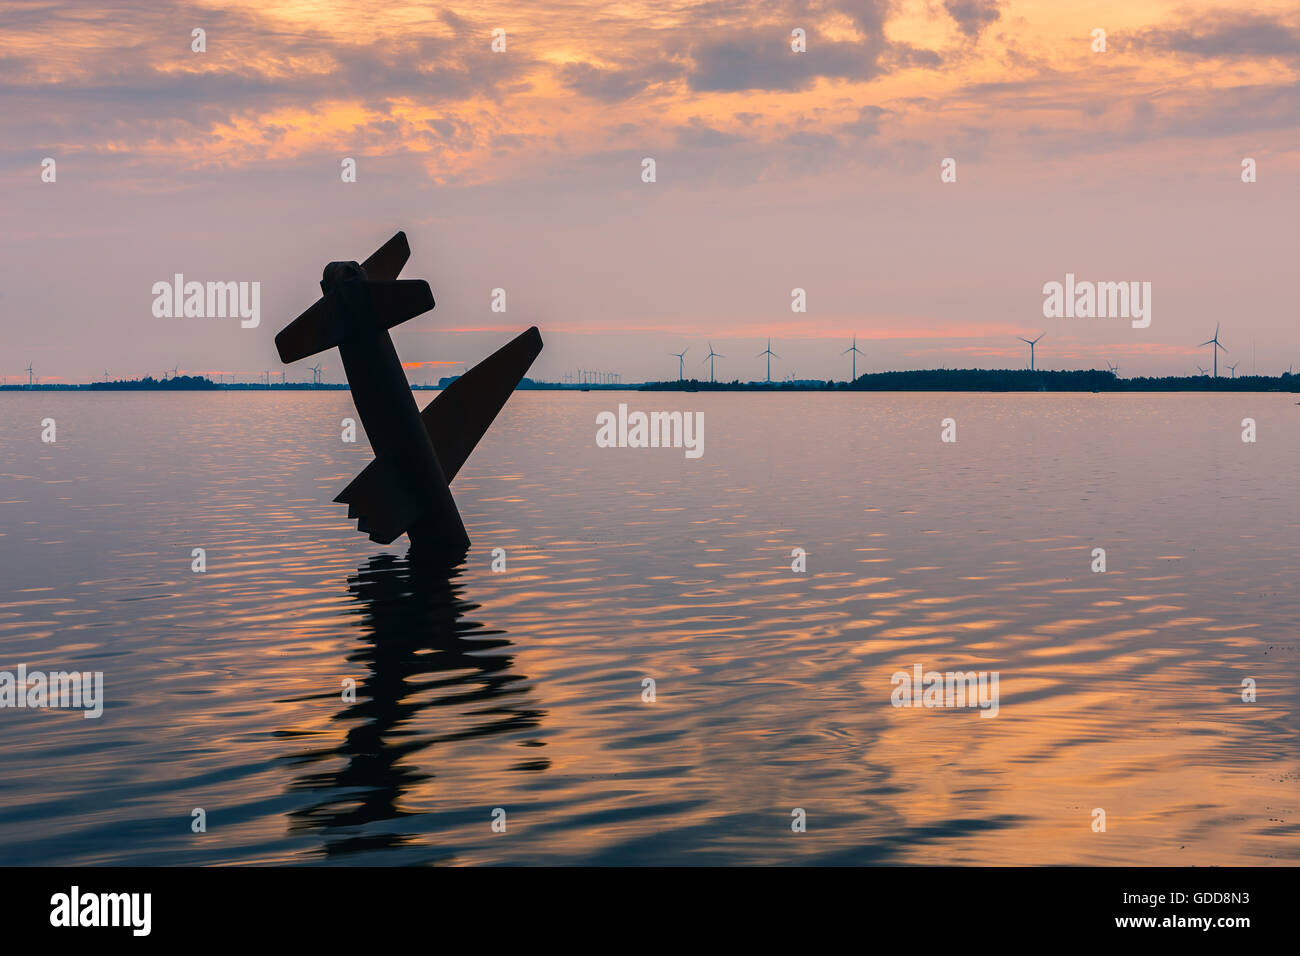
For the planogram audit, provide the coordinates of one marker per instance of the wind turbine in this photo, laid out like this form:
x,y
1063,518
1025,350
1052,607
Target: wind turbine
x,y
315,374
770,355
29,374
1217,346
1113,368
710,357
681,358
1203,371
1031,343
856,352
1233,368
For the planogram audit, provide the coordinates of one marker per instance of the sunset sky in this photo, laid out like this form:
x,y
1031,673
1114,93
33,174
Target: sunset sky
x,y
775,170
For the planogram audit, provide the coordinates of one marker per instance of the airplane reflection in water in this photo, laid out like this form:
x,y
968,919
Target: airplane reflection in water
x,y
423,659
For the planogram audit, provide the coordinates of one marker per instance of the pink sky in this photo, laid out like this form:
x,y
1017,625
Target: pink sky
x,y
775,170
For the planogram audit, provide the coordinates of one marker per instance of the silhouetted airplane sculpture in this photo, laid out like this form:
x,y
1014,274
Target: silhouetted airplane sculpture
x,y
417,454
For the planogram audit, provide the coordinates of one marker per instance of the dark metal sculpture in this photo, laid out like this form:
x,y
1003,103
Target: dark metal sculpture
x,y
417,454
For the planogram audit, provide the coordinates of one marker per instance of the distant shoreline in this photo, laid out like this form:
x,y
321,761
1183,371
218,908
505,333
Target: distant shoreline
x,y
998,380
931,380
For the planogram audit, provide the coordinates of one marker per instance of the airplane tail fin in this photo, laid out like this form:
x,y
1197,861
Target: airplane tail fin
x,y
386,262
323,326
317,329
394,301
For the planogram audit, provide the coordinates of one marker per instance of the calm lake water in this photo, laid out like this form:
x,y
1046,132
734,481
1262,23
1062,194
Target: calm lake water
x,y
523,690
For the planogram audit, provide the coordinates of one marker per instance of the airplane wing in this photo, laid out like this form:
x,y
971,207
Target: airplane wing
x,y
465,409
384,508
455,421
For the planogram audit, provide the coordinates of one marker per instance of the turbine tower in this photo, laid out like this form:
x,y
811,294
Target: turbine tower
x,y
315,374
855,352
770,355
681,358
1232,368
1217,345
1031,343
29,374
709,358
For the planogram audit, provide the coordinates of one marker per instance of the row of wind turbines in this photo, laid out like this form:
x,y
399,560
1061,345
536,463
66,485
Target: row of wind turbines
x,y
854,351
1115,368
315,375
681,359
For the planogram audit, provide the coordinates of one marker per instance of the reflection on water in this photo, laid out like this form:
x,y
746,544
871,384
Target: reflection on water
x,y
420,653
523,690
